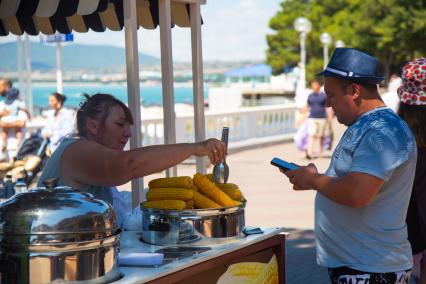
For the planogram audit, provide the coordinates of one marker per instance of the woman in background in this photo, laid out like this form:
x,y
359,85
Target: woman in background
x,y
412,108
60,121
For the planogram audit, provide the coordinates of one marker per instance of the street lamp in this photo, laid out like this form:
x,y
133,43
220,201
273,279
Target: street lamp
x,y
326,40
339,43
303,26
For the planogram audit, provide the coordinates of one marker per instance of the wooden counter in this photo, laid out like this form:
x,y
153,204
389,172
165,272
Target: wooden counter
x,y
208,266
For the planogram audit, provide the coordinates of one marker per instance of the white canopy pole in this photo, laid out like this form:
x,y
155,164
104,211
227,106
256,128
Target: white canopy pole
x,y
133,91
59,81
197,80
20,73
167,76
28,74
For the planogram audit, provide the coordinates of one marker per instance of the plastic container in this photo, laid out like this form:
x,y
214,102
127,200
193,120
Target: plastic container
x,y
2,190
20,185
8,184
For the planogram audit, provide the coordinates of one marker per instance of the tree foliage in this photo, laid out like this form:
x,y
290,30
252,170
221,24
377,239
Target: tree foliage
x,y
394,31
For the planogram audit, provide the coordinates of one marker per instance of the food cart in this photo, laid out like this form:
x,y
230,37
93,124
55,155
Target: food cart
x,y
208,266
64,16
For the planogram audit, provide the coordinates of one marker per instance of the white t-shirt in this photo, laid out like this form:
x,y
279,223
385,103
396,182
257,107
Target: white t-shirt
x,y
391,100
12,142
13,108
57,127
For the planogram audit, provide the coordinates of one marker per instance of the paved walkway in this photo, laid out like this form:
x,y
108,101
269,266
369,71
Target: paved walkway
x,y
272,202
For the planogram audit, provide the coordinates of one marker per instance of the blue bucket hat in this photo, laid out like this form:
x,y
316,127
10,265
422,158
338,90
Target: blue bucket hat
x,y
353,65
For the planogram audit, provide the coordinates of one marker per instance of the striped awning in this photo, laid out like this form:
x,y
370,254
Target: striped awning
x,y
65,16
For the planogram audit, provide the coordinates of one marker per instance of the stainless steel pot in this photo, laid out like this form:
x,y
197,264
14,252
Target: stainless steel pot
x,y
174,227
57,235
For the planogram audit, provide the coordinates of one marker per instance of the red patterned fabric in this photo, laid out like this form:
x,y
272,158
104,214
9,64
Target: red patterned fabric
x,y
413,88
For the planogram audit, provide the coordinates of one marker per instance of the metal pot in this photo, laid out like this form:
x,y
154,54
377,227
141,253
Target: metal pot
x,y
57,235
174,227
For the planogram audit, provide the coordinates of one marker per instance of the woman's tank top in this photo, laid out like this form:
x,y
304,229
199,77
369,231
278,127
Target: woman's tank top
x,y
52,170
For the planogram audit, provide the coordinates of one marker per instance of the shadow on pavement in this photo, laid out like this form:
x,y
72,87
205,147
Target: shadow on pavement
x,y
301,266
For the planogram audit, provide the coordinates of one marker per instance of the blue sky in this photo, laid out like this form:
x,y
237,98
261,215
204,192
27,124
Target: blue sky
x,y
232,30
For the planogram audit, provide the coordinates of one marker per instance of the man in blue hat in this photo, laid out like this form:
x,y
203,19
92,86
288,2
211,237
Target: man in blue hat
x,y
362,198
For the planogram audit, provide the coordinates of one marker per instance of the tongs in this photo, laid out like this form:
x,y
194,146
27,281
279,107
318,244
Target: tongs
x,y
221,170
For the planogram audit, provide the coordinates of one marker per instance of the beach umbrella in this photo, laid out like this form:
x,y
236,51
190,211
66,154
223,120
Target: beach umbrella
x,y
65,16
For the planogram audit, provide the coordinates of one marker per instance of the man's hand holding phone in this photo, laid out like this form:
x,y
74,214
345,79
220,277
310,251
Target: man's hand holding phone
x,y
300,176
284,165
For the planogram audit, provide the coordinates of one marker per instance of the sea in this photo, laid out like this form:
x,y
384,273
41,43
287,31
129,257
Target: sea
x,y
150,94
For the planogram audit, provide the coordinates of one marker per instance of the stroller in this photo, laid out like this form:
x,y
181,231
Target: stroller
x,y
30,159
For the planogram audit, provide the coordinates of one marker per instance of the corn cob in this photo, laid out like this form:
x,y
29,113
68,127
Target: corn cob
x,y
251,273
203,202
212,191
235,193
169,193
189,204
209,176
232,190
226,185
269,274
166,204
194,188
231,279
184,181
249,269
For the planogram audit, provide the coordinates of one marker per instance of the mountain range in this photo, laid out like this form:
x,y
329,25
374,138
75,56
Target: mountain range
x,y
74,57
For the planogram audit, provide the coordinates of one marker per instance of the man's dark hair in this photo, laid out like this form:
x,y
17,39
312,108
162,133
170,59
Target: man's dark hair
x,y
97,107
415,116
372,88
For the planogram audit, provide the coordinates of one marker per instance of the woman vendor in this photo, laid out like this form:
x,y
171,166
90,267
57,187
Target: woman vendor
x,y
94,160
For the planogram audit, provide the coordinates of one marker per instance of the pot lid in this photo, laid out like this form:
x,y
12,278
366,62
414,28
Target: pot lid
x,y
53,213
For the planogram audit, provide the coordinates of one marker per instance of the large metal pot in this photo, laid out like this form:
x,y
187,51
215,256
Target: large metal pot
x,y
57,235
175,227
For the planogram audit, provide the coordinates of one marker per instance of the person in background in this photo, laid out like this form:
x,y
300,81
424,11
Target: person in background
x,y
412,108
94,160
390,98
319,119
60,121
362,199
13,116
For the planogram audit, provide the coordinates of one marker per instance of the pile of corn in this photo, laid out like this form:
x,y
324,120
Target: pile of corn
x,y
251,273
200,192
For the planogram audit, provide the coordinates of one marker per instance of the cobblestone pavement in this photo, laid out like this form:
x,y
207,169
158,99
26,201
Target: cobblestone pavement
x,y
272,202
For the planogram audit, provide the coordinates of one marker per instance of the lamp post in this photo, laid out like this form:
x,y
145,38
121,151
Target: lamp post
x,y
326,40
303,26
339,43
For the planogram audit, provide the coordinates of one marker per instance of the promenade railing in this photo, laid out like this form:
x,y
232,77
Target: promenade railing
x,y
248,126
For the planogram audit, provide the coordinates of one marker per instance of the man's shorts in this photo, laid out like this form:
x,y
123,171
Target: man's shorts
x,y
316,126
340,275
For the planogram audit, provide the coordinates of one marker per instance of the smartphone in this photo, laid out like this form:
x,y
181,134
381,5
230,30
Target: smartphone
x,y
283,164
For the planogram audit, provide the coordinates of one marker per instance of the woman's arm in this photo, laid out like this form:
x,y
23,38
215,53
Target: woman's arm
x,y
86,162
